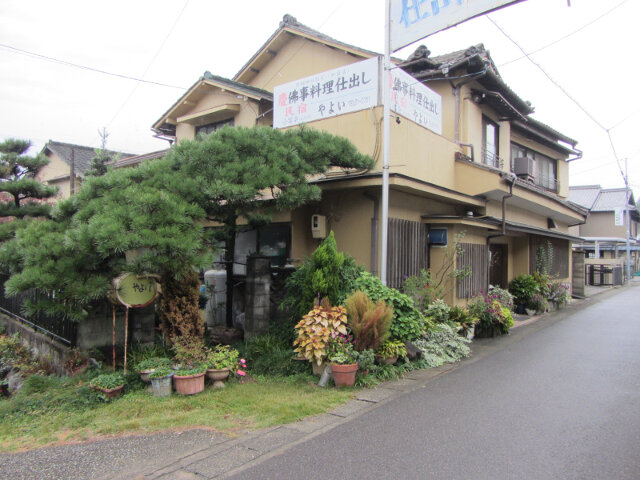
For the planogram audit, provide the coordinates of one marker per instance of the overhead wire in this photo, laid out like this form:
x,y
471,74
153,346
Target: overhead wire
x,y
84,67
135,87
567,94
567,35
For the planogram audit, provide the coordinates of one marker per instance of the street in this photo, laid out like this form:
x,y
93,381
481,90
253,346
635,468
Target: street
x,y
562,403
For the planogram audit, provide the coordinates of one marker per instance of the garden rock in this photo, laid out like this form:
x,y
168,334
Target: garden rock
x,y
413,352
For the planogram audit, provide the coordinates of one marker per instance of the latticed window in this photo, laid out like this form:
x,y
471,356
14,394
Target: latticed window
x,y
473,257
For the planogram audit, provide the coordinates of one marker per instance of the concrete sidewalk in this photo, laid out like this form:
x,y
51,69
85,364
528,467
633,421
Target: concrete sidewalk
x,y
206,454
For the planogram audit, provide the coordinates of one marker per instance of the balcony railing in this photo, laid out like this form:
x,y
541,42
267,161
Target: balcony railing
x,y
491,159
543,181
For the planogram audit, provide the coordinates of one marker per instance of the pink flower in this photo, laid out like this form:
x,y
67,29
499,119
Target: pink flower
x,y
241,373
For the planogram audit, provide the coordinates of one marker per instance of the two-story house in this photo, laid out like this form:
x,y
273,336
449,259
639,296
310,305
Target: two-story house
x,y
68,164
605,230
486,169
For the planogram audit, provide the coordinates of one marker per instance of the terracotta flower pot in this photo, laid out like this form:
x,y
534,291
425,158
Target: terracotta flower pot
x,y
189,384
344,375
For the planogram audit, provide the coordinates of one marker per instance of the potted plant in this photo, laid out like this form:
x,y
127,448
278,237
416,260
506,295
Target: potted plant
x,y
161,381
189,381
314,331
220,361
111,384
537,304
523,287
343,359
149,365
466,322
389,352
189,351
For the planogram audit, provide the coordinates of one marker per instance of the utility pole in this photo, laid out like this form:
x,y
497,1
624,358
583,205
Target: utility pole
x,y
628,219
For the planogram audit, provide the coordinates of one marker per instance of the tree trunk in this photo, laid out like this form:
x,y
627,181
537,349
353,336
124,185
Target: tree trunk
x,y
230,248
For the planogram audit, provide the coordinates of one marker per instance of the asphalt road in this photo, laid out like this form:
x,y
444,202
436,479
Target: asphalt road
x,y
561,403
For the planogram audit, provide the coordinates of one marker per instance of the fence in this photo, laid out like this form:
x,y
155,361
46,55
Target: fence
x,y
57,327
475,258
408,250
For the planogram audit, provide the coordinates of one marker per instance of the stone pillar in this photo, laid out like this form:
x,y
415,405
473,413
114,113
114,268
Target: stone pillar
x,y
258,302
578,279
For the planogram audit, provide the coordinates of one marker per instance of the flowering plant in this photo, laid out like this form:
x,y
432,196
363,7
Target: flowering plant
x,y
502,296
242,369
538,303
340,349
559,292
493,318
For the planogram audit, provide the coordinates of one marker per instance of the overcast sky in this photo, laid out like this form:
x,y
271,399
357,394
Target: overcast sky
x,y
172,42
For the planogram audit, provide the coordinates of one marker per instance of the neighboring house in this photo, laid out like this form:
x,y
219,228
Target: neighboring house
x,y
492,172
605,240
68,164
136,160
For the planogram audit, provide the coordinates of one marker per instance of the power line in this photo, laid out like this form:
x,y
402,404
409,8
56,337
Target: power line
x,y
83,67
567,35
567,94
135,87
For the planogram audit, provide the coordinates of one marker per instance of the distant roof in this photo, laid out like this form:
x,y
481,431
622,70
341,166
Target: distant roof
x,y
137,159
82,155
598,199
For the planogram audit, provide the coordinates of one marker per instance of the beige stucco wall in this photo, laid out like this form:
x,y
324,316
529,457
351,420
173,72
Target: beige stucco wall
x,y
52,172
602,224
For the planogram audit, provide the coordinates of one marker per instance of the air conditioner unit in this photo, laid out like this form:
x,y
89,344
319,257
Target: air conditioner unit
x,y
523,168
318,226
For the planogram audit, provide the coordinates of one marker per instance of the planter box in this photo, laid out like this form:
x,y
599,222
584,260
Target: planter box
x,y
189,384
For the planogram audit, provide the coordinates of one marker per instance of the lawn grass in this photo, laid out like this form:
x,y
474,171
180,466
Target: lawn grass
x,y
33,421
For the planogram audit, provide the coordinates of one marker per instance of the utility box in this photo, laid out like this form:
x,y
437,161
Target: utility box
x,y
319,226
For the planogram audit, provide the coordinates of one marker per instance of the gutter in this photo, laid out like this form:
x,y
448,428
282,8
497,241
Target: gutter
x,y
510,178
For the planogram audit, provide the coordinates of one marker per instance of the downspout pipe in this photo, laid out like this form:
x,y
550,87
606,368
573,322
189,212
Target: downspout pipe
x,y
374,232
510,180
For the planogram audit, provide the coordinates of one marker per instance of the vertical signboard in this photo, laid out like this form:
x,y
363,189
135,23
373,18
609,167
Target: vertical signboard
x,y
413,100
619,216
328,94
411,20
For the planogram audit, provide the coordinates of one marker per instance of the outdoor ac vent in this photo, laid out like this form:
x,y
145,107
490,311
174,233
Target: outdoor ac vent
x,y
523,167
318,226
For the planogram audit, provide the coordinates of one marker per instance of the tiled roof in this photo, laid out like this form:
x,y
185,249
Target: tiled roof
x,y
82,155
585,196
137,159
598,199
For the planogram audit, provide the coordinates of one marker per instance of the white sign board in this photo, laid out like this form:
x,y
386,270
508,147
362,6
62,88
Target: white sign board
x,y
412,20
328,94
415,101
619,217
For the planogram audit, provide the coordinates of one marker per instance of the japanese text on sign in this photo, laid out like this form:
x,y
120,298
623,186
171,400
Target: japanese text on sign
x,y
412,20
413,100
335,92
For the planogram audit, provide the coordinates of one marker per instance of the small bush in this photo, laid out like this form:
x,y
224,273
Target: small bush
x,y
493,318
408,323
421,289
442,344
560,293
502,296
328,273
523,287
369,322
271,355
438,311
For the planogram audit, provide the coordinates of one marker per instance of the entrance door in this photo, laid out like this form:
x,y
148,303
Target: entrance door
x,y
498,265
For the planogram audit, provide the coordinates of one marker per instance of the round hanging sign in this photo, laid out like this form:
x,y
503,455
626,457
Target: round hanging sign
x,y
135,291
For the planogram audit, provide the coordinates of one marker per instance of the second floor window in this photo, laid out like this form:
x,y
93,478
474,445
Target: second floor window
x,y
490,143
212,127
545,169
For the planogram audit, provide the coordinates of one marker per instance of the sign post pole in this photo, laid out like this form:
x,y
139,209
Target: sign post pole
x,y
386,112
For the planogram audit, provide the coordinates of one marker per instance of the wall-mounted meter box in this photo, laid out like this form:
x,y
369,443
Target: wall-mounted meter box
x,y
438,236
319,226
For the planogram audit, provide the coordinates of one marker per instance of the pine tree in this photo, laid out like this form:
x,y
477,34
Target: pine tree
x,y
21,194
252,172
99,165
77,253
